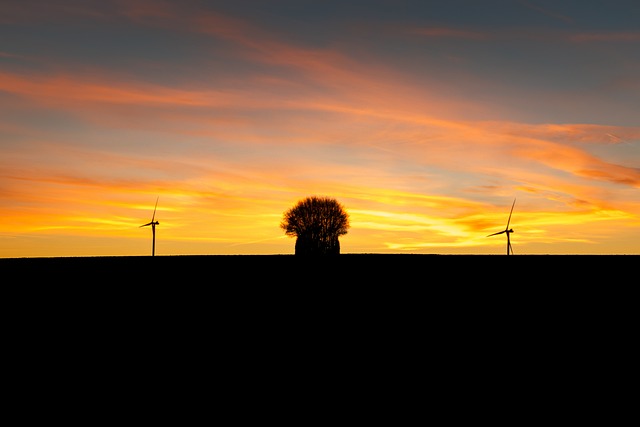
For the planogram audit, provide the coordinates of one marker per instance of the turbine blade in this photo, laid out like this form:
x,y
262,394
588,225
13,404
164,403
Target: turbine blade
x,y
154,209
145,225
495,234
509,220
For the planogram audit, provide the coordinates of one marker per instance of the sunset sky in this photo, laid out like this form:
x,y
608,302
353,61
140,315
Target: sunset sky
x,y
424,119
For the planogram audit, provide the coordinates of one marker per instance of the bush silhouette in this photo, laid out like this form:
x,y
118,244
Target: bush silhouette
x,y
317,222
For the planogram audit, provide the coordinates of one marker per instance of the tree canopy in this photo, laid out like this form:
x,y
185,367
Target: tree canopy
x,y
317,222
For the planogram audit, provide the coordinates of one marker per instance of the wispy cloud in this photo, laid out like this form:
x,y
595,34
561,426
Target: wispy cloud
x,y
75,88
450,32
570,132
606,36
547,12
580,163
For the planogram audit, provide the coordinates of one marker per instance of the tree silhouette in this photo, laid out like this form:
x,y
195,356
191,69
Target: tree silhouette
x,y
317,222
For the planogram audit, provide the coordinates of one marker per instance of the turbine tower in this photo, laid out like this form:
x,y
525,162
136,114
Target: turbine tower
x,y
507,230
153,228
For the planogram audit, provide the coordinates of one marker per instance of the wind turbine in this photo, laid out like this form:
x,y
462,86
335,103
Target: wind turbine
x,y
153,228
507,230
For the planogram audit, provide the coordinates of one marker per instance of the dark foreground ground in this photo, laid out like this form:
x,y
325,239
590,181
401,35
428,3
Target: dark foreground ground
x,y
536,286
353,269
361,281
533,287
525,333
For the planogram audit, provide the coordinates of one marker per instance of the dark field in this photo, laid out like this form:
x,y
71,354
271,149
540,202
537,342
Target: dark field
x,y
409,296
531,288
384,283
467,319
351,269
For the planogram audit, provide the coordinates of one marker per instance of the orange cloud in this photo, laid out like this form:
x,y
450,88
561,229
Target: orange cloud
x,y
570,132
74,88
578,162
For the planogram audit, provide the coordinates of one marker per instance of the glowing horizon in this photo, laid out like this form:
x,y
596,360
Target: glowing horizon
x,y
423,123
